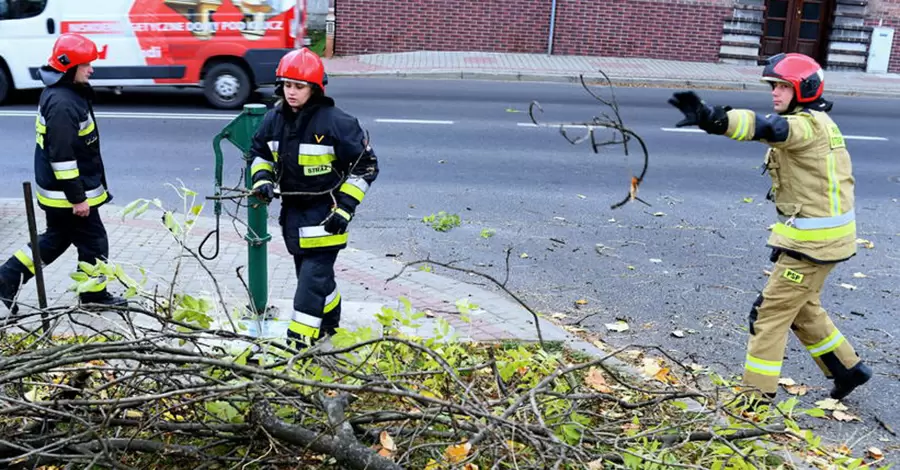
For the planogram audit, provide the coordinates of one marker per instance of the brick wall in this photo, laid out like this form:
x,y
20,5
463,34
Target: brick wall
x,y
887,13
369,26
672,29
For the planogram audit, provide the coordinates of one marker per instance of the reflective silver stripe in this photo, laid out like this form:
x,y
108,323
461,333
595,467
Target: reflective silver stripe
x,y
63,166
85,124
359,182
273,145
307,319
313,149
812,223
331,296
314,231
59,195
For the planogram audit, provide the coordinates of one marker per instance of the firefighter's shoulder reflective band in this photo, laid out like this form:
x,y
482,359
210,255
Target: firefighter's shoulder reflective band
x,y
86,127
305,325
815,235
40,125
811,223
58,199
65,170
332,301
26,257
355,187
315,155
827,345
317,237
261,164
762,366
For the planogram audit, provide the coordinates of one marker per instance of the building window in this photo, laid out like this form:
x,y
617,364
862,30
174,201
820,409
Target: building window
x,y
21,9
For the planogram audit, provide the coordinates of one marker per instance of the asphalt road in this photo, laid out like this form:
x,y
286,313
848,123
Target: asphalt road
x,y
693,262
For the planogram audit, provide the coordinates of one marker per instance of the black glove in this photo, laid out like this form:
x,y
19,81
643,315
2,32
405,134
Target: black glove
x,y
713,120
337,221
265,193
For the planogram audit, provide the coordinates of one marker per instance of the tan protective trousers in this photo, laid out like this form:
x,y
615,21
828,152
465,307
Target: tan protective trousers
x,y
791,300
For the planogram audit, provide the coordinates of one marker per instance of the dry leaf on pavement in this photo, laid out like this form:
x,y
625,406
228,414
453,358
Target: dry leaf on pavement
x,y
651,367
659,214
595,380
678,334
831,404
859,275
595,465
875,453
581,302
865,243
848,286
618,327
842,416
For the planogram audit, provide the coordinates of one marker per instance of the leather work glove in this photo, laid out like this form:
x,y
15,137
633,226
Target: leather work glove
x,y
265,193
336,222
713,120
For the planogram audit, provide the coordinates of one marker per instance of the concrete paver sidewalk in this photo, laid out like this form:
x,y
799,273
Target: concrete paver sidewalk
x,y
622,71
144,243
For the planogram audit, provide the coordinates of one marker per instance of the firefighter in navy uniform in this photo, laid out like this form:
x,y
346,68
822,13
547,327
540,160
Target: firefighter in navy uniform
x,y
71,181
813,192
306,144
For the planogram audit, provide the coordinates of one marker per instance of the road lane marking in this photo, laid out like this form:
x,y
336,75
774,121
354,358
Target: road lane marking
x,y
134,115
413,121
847,137
555,126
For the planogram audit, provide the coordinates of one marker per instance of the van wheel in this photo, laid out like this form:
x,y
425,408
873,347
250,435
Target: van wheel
x,y
5,85
226,86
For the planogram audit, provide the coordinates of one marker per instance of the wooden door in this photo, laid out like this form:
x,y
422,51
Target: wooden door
x,y
796,26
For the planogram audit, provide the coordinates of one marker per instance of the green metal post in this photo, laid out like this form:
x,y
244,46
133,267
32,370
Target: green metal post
x,y
240,132
257,221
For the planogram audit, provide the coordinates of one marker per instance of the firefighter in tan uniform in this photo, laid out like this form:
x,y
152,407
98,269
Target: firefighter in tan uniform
x,y
813,192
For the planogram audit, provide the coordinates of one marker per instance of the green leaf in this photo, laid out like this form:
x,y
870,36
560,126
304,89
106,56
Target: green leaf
x,y
88,268
196,209
171,223
680,404
131,206
748,200
487,233
89,286
79,276
142,209
815,412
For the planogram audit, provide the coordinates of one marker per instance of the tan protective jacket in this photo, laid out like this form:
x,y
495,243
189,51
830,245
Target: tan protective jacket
x,y
812,181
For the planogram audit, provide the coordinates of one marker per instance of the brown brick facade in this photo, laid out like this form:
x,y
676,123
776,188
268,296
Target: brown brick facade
x,y
887,13
688,30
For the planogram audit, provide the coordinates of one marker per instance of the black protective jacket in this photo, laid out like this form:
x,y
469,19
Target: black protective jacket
x,y
68,168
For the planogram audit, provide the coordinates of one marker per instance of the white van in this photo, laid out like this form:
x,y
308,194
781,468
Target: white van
x,y
228,47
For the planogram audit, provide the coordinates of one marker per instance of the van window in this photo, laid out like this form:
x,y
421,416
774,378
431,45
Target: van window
x,y
20,9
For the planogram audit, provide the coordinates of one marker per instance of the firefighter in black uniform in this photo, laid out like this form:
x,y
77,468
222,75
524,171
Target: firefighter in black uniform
x,y
307,145
71,181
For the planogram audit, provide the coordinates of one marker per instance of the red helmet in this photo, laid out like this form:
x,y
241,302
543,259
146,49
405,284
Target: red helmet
x,y
72,50
801,71
302,66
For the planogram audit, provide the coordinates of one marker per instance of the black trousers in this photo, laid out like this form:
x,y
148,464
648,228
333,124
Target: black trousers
x,y
64,229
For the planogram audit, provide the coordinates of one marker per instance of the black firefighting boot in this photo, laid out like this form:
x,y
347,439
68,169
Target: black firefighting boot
x,y
103,298
843,385
8,292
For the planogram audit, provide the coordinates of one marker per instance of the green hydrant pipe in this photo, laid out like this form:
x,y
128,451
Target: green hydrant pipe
x,y
240,132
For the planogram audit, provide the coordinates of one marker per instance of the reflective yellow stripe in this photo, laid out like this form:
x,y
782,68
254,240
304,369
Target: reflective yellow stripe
x,y
25,259
762,366
353,191
834,186
304,330
321,242
87,130
260,183
827,345
315,160
64,203
742,130
275,156
343,213
329,306
66,174
40,140
815,235
261,165
38,126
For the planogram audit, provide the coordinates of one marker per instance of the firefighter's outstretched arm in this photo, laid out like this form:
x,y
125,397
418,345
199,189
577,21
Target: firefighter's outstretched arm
x,y
357,156
264,151
62,135
788,132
